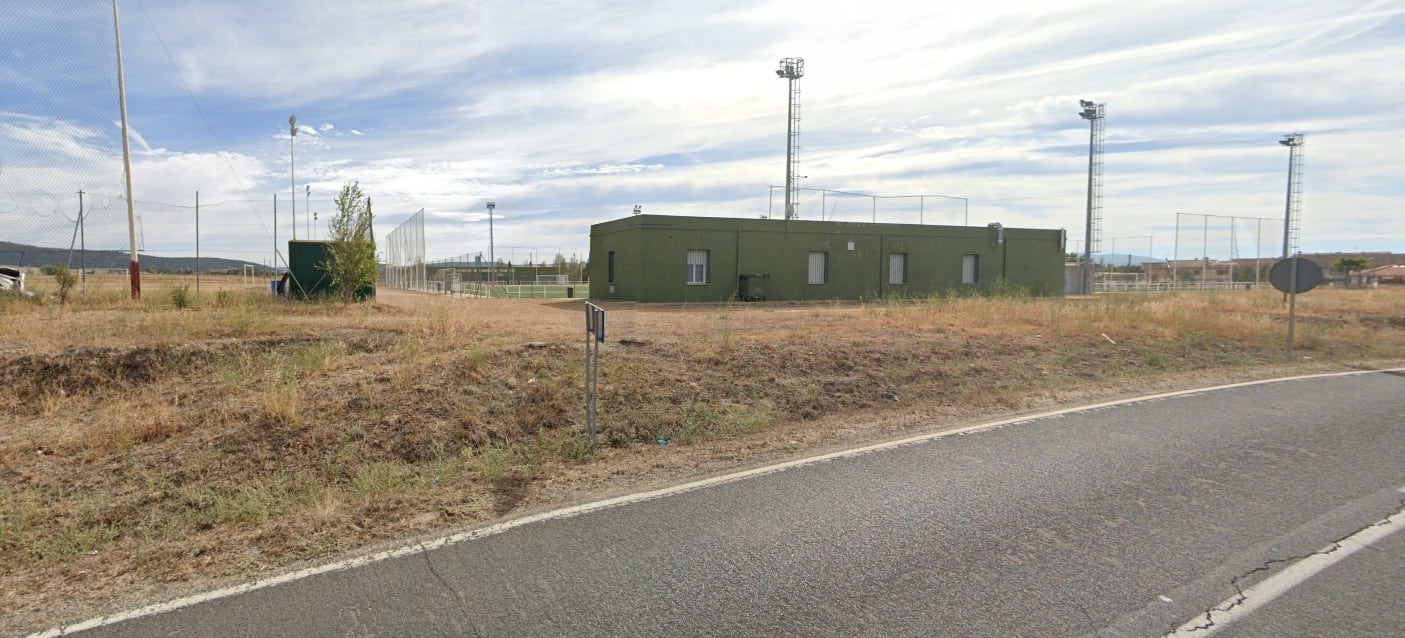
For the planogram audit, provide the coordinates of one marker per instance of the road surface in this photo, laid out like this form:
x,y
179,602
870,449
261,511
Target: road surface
x,y
1132,519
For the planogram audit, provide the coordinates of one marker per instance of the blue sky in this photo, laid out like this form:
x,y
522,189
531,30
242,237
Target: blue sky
x,y
570,113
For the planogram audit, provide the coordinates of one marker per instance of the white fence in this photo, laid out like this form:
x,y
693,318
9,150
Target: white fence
x,y
1177,286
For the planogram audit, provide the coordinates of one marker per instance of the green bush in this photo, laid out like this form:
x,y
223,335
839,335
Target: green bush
x,y
181,297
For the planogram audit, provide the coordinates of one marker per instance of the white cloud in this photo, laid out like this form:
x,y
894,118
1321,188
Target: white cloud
x,y
568,113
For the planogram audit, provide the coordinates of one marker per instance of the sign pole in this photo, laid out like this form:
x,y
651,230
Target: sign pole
x,y
1292,304
1292,276
594,337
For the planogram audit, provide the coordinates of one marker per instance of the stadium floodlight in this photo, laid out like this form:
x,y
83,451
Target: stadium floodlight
x,y
292,179
792,69
492,256
1292,214
1094,113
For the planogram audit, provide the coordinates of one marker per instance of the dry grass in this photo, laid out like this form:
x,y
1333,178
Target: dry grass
x,y
156,447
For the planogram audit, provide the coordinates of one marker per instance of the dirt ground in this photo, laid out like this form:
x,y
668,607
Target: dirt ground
x,y
150,451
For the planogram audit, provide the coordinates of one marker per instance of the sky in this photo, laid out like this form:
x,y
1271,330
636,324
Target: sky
x,y
571,113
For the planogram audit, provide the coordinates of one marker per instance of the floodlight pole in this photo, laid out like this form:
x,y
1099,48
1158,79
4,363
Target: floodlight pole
x,y
1292,208
792,69
292,179
134,269
307,209
492,256
1094,113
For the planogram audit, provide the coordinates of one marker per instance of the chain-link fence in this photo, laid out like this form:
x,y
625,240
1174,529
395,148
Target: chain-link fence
x,y
827,204
1223,250
57,136
404,255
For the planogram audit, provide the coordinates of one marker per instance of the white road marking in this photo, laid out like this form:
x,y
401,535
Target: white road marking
x,y
576,510
1263,592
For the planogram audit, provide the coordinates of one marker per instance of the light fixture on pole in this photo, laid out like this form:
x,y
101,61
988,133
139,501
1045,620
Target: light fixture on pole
x,y
306,209
1094,113
792,69
1292,213
292,181
492,256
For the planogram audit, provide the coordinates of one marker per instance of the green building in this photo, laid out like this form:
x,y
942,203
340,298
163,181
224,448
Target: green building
x,y
308,278
659,258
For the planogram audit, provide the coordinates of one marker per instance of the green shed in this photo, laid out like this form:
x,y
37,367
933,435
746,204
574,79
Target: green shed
x,y
305,259
309,278
660,258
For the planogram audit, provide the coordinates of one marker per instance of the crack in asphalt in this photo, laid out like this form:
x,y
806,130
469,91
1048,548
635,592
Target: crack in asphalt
x,y
453,593
1240,598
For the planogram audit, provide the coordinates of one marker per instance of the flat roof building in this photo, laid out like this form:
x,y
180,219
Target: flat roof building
x,y
660,258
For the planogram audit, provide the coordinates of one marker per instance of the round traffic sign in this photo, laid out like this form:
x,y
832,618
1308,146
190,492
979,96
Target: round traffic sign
x,y
1309,275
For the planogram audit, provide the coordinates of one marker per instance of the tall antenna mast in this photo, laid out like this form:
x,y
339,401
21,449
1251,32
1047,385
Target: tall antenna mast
x,y
1293,210
1094,113
792,69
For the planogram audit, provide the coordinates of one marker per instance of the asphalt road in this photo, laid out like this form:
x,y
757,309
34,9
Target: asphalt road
x,y
1127,520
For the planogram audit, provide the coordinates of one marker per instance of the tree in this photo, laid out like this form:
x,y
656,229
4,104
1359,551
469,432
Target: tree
x,y
1350,264
351,255
66,279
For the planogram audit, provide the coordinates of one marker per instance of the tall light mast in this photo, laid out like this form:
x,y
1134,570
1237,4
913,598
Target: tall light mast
x,y
1094,113
292,179
792,69
1293,209
492,256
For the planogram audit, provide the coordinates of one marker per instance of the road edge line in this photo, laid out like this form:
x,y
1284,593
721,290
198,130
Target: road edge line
x,y
627,499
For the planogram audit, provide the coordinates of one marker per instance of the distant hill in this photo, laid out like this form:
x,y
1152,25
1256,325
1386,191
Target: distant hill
x,y
1114,259
26,256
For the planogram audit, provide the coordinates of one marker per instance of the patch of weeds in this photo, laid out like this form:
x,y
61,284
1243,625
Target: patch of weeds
x,y
1155,359
316,356
181,297
577,447
245,319
699,421
206,507
378,479
282,404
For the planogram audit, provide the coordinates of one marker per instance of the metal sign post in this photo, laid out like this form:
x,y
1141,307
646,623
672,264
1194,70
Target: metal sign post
x,y
1292,276
594,337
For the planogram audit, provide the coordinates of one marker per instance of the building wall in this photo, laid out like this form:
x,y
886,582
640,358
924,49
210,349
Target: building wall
x,y
651,258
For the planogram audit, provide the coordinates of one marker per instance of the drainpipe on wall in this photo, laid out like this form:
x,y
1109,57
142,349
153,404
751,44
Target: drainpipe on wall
x,y
1000,243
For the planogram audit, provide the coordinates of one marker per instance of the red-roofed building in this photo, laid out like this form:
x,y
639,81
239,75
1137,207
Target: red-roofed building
x,y
1372,277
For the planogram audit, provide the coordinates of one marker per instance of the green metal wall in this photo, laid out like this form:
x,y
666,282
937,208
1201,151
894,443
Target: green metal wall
x,y
651,257
305,260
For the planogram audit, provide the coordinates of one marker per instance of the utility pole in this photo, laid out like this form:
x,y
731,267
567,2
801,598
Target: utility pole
x,y
82,248
197,243
134,269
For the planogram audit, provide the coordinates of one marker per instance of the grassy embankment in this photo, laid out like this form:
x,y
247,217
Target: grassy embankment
x,y
144,445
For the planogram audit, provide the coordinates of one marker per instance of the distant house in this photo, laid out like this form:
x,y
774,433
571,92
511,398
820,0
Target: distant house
x,y
1392,274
